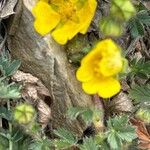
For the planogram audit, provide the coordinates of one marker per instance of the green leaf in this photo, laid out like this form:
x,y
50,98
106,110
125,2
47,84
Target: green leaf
x,y
144,17
141,6
7,67
89,144
20,139
9,91
87,116
119,131
12,68
40,144
140,67
140,93
86,113
65,135
136,23
114,141
74,112
127,134
136,27
4,144
5,113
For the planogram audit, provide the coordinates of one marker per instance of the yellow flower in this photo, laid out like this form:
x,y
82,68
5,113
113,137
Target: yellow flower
x,y
99,69
63,18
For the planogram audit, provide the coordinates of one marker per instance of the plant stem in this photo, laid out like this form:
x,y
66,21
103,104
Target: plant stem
x,y
10,128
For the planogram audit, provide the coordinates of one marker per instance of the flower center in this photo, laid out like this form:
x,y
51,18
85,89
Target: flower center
x,y
97,70
67,10
108,66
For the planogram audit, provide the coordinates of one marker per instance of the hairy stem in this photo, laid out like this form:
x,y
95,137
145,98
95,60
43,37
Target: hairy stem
x,y
10,129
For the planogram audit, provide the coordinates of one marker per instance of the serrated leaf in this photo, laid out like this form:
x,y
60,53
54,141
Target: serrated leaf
x,y
140,67
141,6
12,68
144,17
128,133
5,113
9,91
89,144
74,112
114,141
136,24
136,27
7,67
87,116
4,143
40,144
140,93
17,136
65,135
119,131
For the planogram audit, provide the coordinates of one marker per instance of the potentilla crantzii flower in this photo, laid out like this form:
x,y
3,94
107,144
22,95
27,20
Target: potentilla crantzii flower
x,y
99,69
63,18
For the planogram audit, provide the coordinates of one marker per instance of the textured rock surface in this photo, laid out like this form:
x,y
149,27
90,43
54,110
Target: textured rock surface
x,y
45,59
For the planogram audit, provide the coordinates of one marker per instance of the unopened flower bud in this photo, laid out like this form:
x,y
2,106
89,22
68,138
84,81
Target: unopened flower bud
x,y
111,27
122,9
143,114
24,113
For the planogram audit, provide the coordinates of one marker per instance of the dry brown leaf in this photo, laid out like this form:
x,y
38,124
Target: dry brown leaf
x,y
122,103
142,133
35,93
7,8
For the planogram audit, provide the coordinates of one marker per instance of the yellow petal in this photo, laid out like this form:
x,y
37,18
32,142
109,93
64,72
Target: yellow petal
x,y
46,18
86,18
90,87
79,22
66,31
108,47
92,57
84,73
106,87
88,65
102,49
109,88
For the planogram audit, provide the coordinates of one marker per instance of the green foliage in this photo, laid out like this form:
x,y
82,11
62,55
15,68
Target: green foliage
x,y
74,112
40,144
7,67
87,114
140,6
140,93
140,68
5,113
67,139
76,57
89,144
119,131
4,143
136,24
9,91
18,138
